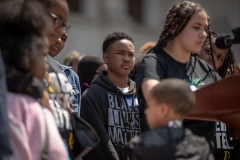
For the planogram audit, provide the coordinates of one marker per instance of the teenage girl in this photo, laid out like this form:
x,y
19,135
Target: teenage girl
x,y
184,33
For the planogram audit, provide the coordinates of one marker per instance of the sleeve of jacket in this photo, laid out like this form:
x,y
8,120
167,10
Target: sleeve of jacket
x,y
91,112
77,82
6,150
74,80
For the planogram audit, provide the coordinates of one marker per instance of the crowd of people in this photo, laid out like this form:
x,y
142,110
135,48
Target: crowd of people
x,y
121,106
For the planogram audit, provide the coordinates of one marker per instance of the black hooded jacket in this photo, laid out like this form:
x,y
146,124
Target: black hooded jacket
x,y
165,143
109,111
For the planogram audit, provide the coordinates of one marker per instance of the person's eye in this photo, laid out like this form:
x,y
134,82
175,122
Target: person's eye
x,y
64,39
220,58
196,27
208,51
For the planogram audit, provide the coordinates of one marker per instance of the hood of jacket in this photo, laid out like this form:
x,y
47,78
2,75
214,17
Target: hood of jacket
x,y
168,144
103,81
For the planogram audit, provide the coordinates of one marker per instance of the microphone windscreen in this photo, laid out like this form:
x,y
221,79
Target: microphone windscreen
x,y
221,42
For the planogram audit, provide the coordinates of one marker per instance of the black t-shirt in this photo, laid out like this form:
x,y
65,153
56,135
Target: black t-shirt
x,y
225,146
196,72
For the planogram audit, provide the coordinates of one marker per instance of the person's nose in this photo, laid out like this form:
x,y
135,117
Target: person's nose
x,y
59,41
126,58
210,58
203,34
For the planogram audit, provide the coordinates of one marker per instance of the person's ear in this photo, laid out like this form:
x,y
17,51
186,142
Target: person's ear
x,y
105,57
164,109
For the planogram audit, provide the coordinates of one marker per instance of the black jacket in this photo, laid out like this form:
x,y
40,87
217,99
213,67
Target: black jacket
x,y
105,108
164,143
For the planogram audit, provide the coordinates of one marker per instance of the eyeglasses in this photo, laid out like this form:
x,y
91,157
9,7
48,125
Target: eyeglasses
x,y
57,22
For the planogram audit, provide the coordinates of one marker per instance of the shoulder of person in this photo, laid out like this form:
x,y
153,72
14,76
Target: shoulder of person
x,y
203,63
67,70
74,74
157,56
193,145
21,99
190,138
207,67
91,91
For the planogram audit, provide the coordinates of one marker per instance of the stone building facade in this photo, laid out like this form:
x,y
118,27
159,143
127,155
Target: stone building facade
x,y
92,20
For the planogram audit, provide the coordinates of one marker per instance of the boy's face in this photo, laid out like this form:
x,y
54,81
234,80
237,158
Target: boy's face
x,y
154,114
119,57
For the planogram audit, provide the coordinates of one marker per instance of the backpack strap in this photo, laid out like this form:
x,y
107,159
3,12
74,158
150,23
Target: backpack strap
x,y
101,92
45,151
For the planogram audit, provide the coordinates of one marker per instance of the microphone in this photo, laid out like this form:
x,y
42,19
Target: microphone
x,y
224,42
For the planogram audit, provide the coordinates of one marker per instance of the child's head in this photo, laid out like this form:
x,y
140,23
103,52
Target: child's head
x,y
171,99
72,59
118,53
187,23
219,59
146,47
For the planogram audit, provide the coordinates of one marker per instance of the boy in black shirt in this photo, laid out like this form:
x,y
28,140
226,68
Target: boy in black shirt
x,y
168,103
110,104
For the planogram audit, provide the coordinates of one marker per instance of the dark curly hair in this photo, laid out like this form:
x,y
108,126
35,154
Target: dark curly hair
x,y
113,37
23,27
49,3
177,18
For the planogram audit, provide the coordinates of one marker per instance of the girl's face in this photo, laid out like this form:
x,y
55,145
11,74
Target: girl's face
x,y
219,55
192,37
58,45
58,36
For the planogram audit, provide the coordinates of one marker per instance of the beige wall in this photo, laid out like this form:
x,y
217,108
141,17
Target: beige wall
x,y
89,30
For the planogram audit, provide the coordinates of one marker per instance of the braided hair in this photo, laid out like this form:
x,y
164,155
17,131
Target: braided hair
x,y
176,20
228,62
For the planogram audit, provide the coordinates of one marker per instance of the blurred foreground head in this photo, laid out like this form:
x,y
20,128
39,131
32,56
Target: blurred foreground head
x,y
24,45
23,41
169,100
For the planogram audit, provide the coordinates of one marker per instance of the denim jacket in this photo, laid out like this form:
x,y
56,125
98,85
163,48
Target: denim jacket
x,y
74,80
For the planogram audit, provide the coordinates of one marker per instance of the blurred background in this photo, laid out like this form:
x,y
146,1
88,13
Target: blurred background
x,y
93,20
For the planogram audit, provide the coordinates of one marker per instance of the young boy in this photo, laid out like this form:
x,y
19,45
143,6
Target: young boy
x,y
167,104
110,103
